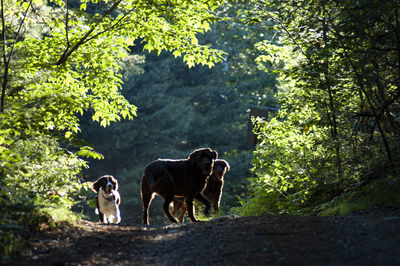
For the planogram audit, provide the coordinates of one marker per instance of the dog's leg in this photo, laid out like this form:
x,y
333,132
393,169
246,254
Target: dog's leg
x,y
118,215
166,187
200,198
146,201
167,201
102,218
97,211
178,204
182,213
215,207
174,207
189,208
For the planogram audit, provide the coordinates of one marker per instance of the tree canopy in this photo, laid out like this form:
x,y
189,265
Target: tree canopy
x,y
61,59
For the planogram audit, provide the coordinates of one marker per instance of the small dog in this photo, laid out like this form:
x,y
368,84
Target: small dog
x,y
107,199
215,183
185,178
212,190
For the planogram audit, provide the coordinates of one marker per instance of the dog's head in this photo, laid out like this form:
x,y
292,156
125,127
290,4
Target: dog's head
x,y
203,159
220,168
107,183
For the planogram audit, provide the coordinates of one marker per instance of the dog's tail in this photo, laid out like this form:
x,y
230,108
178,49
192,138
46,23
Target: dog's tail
x,y
96,211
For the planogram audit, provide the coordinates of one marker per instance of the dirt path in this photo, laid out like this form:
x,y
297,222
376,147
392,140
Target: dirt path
x,y
371,238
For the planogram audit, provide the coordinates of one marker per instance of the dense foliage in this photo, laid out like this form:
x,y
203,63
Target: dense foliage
x,y
337,131
59,62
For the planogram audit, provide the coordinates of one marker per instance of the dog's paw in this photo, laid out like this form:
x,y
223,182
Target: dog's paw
x,y
114,220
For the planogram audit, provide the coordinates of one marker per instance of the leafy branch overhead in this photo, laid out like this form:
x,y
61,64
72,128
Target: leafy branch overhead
x,y
61,61
83,54
64,58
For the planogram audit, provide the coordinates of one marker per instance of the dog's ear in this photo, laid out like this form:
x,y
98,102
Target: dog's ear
x,y
115,181
192,157
227,165
98,184
117,199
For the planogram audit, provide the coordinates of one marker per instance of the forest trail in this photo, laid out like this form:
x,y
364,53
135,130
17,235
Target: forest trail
x,y
368,238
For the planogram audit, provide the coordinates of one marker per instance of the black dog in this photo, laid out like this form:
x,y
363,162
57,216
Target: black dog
x,y
212,190
108,199
185,178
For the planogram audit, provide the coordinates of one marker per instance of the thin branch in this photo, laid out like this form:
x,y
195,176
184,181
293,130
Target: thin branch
x,y
8,60
19,29
66,31
398,40
3,38
7,146
66,23
110,28
284,28
68,51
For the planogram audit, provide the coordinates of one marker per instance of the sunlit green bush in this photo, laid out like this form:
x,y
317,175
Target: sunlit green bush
x,y
38,189
337,131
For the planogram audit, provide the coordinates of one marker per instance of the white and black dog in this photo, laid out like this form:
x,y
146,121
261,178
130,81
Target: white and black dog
x,y
107,199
